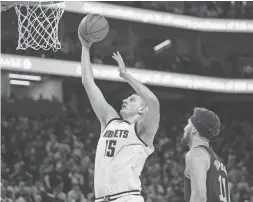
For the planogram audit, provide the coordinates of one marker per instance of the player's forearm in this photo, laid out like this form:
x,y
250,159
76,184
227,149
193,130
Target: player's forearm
x,y
195,197
141,89
87,74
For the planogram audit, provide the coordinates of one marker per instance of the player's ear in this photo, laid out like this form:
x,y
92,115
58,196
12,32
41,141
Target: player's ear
x,y
194,131
142,110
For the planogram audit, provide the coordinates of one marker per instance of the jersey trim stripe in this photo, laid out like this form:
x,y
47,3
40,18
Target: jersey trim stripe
x,y
118,195
204,150
186,175
135,129
123,120
111,121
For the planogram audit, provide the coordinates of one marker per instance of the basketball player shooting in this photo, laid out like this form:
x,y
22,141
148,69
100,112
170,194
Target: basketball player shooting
x,y
205,175
126,140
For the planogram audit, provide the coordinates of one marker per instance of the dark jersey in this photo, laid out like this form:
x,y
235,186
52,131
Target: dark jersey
x,y
47,197
217,181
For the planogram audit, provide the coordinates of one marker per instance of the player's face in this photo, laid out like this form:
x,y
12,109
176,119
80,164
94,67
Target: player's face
x,y
188,130
132,106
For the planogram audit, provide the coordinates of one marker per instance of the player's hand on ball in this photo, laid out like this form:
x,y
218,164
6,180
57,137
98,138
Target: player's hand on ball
x,y
120,61
83,41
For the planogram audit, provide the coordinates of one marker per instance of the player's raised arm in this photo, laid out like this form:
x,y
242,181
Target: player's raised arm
x,y
150,122
198,163
102,109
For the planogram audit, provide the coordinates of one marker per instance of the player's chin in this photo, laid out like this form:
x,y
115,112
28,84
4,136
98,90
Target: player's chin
x,y
184,141
123,111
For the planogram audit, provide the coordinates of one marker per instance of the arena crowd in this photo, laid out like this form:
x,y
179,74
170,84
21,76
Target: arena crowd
x,y
49,148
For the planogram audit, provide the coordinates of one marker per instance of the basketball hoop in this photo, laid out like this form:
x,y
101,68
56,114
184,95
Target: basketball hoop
x,y
38,24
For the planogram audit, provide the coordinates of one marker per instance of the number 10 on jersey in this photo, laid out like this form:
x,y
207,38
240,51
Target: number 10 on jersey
x,y
110,148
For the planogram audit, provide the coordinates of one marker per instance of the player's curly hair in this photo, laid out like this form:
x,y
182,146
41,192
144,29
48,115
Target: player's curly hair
x,y
206,122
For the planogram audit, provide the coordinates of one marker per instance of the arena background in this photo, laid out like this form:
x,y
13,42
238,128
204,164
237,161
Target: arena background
x,y
49,131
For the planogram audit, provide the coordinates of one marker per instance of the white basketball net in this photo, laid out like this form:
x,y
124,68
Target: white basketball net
x,y
38,25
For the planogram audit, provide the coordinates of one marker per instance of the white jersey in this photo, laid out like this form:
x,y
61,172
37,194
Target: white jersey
x,y
120,158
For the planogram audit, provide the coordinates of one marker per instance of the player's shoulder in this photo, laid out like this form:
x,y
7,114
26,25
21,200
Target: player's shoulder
x,y
188,155
113,120
200,151
197,153
197,156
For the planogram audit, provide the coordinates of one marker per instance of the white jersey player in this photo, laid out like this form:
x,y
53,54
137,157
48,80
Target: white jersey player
x,y
126,140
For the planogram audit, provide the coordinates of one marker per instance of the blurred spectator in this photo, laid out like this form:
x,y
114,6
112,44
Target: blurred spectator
x,y
4,196
52,145
55,194
75,194
75,176
36,191
19,174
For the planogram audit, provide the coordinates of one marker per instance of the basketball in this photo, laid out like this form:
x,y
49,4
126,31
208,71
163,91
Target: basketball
x,y
93,28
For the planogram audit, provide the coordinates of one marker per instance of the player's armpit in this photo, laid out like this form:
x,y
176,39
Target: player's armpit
x,y
102,109
198,164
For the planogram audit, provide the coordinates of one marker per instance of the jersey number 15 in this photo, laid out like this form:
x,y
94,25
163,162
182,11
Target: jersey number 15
x,y
110,147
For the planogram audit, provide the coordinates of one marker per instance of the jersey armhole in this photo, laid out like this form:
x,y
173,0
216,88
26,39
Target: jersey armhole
x,y
113,119
209,165
137,134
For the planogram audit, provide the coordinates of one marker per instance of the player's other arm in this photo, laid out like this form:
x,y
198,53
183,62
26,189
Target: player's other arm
x,y
150,122
102,109
198,163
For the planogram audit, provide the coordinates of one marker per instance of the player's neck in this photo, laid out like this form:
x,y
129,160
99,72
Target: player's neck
x,y
199,141
132,119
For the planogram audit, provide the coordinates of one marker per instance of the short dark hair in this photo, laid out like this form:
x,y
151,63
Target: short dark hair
x,y
206,122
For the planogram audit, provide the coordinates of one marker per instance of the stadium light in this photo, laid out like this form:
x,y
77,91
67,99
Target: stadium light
x,y
160,18
25,77
110,73
162,45
19,82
